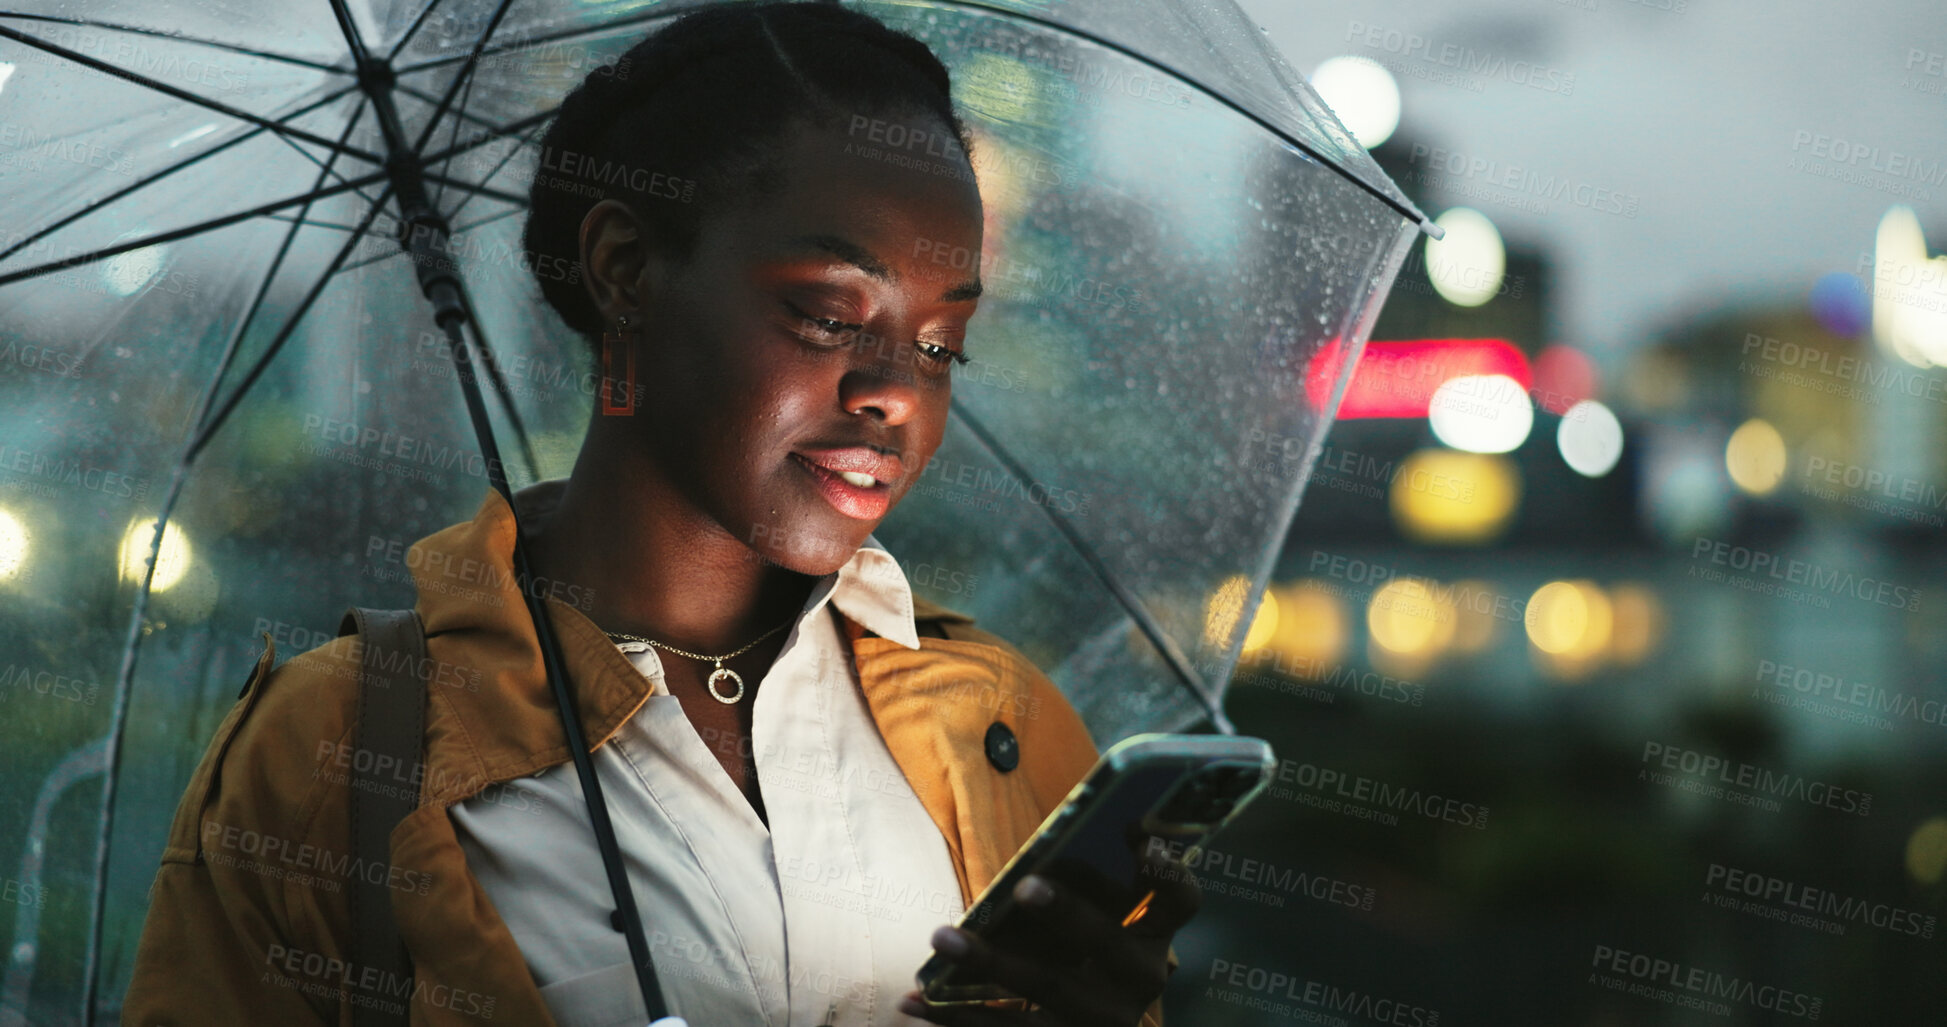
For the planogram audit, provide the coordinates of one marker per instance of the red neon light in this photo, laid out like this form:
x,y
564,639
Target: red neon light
x,y
1397,379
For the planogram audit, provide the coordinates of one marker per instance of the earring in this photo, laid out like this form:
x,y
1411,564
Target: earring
x,y
619,394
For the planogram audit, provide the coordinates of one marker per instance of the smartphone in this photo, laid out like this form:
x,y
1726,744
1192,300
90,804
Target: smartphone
x,y
1179,788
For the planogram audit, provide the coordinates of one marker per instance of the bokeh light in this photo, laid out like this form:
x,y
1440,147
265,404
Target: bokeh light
x,y
1481,413
1443,497
14,542
1841,304
1407,617
1264,623
1590,439
1638,623
1755,457
1311,631
1363,94
1906,321
1571,619
172,560
1926,851
1467,265
1564,376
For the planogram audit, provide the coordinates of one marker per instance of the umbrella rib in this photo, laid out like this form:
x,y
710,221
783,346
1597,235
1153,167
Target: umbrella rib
x,y
491,172
125,678
1146,621
188,230
459,114
94,205
187,96
542,40
215,421
465,74
199,41
411,30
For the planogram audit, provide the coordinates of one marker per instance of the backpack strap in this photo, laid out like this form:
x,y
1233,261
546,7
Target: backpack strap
x,y
392,728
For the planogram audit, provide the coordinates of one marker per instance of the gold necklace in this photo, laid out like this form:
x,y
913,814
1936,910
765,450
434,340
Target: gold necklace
x,y
721,671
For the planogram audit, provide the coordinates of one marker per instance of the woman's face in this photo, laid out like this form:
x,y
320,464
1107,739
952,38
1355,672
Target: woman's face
x,y
796,370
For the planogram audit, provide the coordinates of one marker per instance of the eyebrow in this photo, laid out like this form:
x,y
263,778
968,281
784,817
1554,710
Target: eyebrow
x,y
860,257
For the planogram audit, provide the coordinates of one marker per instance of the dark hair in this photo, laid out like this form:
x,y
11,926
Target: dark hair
x,y
683,124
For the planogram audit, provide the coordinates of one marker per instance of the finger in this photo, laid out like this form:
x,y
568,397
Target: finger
x,y
913,1004
1112,990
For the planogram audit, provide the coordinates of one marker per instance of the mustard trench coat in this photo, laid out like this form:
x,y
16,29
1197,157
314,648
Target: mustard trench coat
x,y
249,913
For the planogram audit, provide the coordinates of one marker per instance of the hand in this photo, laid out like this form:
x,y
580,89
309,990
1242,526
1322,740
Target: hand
x,y
1118,971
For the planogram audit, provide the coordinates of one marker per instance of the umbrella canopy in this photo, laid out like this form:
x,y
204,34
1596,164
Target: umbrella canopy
x,y
206,316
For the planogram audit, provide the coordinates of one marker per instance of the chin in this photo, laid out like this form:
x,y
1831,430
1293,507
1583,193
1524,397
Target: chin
x,y
805,550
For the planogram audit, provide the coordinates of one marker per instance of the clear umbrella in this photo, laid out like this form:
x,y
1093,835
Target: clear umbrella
x,y
208,319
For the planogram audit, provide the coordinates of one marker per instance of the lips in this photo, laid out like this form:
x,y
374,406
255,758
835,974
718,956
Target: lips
x,y
856,480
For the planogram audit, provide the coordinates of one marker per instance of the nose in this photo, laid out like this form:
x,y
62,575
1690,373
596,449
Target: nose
x,y
879,383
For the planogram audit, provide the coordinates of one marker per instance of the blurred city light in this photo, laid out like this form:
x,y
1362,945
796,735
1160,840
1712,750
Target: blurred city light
x,y
1466,266
13,545
1926,851
1564,376
127,273
1398,379
1224,610
1444,497
1908,324
1571,619
1841,304
172,560
1405,616
1311,629
1755,457
1590,439
1638,623
1264,623
1474,623
1363,94
1484,413
997,87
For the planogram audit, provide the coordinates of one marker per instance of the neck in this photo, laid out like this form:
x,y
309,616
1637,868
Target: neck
x,y
655,564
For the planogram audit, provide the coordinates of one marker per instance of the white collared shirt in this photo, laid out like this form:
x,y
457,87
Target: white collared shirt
x,y
822,918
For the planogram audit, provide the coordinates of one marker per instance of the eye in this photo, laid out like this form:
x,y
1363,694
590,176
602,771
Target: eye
x,y
823,328
937,355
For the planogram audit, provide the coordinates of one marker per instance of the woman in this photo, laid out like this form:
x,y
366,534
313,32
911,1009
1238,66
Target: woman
x,y
807,767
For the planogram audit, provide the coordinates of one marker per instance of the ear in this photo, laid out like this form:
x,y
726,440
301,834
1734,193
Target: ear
x,y
617,255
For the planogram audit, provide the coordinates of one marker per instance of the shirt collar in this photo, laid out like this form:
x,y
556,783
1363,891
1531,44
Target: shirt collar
x,y
871,589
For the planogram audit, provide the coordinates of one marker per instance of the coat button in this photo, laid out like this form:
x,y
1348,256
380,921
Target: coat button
x,y
1003,751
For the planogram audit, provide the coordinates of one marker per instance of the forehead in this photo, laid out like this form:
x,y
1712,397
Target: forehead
x,y
900,202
